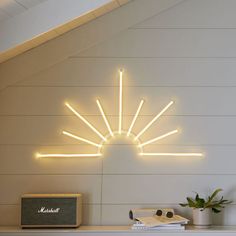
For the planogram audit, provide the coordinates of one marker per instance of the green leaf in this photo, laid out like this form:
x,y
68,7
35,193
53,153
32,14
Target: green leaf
x,y
210,199
226,202
191,202
197,197
215,193
183,204
215,210
200,203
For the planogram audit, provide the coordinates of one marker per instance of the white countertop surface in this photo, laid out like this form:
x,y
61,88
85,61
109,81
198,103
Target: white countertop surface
x,y
213,229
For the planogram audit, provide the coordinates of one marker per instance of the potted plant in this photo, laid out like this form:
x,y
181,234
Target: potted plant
x,y
203,207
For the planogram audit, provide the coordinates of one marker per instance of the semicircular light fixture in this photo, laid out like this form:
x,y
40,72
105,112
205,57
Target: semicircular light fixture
x,y
119,131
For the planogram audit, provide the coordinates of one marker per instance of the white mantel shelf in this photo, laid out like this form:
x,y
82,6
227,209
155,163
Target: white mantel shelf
x,y
116,230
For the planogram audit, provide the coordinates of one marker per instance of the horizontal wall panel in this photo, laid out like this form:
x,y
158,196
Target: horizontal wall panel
x,y
91,214
124,160
118,159
141,189
120,213
137,72
21,159
11,213
168,43
195,14
13,186
188,100
47,130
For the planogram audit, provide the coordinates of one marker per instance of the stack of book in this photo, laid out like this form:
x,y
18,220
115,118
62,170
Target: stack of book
x,y
160,223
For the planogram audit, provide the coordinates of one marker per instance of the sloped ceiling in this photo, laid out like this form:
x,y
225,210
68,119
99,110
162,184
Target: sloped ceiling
x,y
11,8
80,39
25,24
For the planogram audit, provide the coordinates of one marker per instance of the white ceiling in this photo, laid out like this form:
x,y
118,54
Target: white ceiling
x,y
25,24
11,8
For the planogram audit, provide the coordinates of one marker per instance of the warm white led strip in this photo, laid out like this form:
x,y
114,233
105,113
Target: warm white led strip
x,y
135,117
81,139
85,121
40,155
120,101
171,154
120,131
158,138
104,118
153,120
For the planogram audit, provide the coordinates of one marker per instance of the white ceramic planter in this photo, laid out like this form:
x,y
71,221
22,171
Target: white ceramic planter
x,y
202,218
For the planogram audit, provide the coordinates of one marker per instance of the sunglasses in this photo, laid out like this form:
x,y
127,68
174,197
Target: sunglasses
x,y
168,214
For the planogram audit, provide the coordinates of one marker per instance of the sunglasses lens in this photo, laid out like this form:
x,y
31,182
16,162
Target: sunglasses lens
x,y
159,213
169,214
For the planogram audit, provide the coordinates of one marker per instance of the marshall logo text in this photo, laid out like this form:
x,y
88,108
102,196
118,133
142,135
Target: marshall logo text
x,y
45,210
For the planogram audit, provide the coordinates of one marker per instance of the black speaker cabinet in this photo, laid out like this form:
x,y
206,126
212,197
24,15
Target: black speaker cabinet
x,y
51,210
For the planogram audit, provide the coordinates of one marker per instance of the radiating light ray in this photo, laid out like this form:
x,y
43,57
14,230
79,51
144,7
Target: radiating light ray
x,y
158,138
39,155
120,101
85,121
135,117
171,154
153,120
104,117
81,139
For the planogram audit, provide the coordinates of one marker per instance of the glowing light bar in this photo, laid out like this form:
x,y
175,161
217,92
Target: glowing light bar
x,y
104,118
39,155
120,102
171,154
158,138
135,117
153,120
85,121
81,139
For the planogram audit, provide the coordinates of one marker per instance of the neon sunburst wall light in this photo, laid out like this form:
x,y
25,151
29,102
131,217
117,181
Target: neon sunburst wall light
x,y
135,137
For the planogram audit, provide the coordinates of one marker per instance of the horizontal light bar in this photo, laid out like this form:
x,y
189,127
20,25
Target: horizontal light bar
x,y
104,117
81,139
135,117
85,121
39,155
153,120
171,154
158,138
120,102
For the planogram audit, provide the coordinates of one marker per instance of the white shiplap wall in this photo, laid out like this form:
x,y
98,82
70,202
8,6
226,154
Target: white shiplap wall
x,y
186,53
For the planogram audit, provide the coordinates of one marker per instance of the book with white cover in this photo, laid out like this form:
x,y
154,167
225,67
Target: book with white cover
x,y
158,228
140,226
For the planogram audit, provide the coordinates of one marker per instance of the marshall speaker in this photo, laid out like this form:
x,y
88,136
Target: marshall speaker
x,y
51,210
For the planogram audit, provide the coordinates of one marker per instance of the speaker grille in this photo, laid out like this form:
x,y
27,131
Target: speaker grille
x,y
36,211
